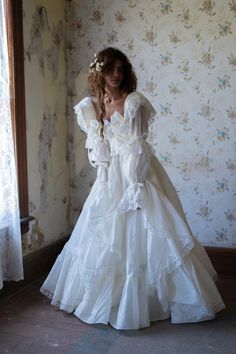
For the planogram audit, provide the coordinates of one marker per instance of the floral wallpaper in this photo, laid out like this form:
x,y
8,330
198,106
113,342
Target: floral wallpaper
x,y
45,76
184,55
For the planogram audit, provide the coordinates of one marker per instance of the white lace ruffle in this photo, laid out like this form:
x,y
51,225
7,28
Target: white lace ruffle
x,y
132,104
133,198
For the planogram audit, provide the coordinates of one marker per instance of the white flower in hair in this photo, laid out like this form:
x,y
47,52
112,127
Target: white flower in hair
x,y
96,65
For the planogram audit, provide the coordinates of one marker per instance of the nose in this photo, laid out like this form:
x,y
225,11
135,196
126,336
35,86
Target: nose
x,y
116,72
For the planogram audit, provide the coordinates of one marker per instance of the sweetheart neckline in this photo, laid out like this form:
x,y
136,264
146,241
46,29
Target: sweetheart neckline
x,y
106,120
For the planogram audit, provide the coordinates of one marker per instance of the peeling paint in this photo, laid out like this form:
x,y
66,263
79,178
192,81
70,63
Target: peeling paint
x,y
45,77
36,45
47,133
32,207
33,240
55,37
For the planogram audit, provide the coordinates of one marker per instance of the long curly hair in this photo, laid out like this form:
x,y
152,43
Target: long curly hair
x,y
102,65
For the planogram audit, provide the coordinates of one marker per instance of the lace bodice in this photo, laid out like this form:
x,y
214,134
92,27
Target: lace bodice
x,y
121,130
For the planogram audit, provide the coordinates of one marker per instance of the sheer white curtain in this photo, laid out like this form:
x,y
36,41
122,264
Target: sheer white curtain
x,y
11,267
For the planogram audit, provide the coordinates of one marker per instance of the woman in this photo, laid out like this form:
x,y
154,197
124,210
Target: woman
x,y
131,258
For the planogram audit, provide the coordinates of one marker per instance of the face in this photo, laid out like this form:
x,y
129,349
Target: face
x,y
114,77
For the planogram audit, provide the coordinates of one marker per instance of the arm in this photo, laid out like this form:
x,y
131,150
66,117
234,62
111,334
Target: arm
x,y
137,154
98,150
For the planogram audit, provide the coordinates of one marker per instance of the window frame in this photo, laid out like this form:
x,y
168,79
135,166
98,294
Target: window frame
x,y
14,17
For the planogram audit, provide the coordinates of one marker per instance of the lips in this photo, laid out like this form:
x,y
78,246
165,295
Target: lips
x,y
115,81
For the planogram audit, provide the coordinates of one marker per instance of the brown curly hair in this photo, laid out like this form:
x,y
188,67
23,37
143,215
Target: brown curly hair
x,y
105,60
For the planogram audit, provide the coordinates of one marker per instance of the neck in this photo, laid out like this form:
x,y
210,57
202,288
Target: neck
x,y
114,93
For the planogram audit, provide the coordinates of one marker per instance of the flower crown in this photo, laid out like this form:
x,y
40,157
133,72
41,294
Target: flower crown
x,y
96,65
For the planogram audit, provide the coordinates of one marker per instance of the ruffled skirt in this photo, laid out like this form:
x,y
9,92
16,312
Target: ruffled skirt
x,y
130,267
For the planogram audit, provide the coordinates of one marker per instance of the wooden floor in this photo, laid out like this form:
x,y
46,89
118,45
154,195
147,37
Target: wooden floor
x,y
30,325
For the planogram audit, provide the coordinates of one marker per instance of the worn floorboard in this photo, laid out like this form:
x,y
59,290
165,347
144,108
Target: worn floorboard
x,y
30,325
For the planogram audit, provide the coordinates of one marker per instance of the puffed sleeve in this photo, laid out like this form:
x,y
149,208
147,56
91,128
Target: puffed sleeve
x,y
84,113
98,149
139,113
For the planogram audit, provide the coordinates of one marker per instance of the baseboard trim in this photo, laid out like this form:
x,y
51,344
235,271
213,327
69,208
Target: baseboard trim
x,y
223,260
38,263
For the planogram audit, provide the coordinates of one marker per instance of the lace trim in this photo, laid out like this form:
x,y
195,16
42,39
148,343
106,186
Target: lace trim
x,y
204,313
133,198
133,102
172,266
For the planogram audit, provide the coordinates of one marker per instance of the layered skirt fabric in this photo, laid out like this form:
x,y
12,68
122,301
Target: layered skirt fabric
x,y
132,259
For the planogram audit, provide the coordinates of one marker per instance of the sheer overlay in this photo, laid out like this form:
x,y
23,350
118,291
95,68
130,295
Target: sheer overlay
x,y
11,267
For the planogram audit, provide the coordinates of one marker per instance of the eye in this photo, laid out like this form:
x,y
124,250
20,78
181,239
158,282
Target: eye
x,y
110,69
120,69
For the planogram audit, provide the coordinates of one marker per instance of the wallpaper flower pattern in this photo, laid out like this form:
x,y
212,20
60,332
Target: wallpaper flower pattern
x,y
184,55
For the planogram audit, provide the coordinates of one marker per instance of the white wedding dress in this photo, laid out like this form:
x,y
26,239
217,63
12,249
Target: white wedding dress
x,y
131,258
